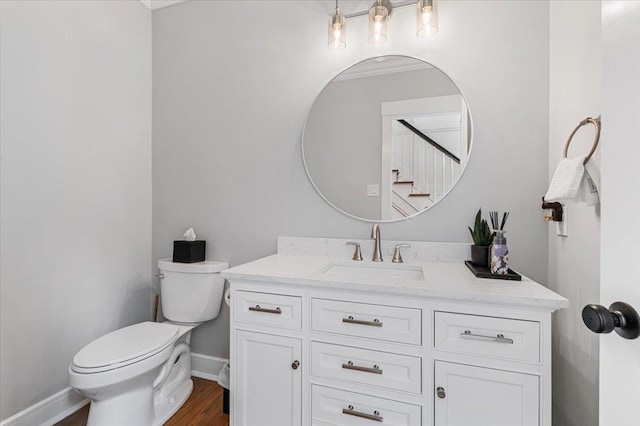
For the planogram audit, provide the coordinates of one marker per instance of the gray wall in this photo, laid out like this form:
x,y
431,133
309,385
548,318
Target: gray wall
x,y
75,185
574,262
234,80
343,138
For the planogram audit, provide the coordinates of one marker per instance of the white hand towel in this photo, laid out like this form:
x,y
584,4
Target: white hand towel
x,y
590,186
566,181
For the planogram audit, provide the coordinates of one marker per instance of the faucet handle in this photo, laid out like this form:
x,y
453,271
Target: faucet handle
x,y
397,257
358,254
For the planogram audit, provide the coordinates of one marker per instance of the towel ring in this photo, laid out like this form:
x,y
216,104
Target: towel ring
x,y
597,124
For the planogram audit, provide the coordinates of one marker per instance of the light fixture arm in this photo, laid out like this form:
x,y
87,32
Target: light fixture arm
x,y
386,3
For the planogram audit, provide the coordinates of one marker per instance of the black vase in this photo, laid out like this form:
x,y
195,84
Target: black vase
x,y
480,255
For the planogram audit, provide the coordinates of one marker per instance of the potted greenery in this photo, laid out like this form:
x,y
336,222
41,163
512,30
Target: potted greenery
x,y
482,239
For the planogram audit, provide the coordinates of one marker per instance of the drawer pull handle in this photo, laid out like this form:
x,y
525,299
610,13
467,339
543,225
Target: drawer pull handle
x,y
295,364
440,392
350,411
497,338
374,323
349,366
257,308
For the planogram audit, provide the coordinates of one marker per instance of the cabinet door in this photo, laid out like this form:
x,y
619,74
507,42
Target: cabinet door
x,y
269,380
484,397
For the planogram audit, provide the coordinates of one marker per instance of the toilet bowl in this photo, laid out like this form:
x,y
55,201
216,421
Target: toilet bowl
x,y
141,374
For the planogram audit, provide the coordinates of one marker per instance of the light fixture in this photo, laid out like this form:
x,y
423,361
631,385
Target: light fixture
x,y
378,18
337,31
427,18
379,15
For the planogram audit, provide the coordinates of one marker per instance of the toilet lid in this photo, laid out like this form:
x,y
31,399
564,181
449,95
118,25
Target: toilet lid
x,y
126,345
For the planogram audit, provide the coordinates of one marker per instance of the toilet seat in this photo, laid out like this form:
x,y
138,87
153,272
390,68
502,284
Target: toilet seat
x,y
124,347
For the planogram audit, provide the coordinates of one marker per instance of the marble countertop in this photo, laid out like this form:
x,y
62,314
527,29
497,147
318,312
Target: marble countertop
x,y
450,280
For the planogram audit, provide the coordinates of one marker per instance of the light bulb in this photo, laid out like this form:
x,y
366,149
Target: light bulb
x,y
378,18
337,32
426,18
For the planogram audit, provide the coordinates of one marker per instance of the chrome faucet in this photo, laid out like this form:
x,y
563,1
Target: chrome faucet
x,y
375,234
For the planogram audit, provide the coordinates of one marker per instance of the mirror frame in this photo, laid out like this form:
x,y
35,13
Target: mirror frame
x,y
304,128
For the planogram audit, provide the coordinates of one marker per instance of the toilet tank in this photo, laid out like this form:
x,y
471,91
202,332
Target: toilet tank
x,y
191,292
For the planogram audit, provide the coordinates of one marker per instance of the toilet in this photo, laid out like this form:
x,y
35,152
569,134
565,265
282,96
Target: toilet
x,y
141,374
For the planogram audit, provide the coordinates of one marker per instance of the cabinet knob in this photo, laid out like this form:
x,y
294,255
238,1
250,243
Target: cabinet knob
x,y
295,364
440,392
620,317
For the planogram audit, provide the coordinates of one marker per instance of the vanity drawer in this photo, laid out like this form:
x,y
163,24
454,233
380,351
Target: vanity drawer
x,y
390,323
387,370
489,336
337,407
268,309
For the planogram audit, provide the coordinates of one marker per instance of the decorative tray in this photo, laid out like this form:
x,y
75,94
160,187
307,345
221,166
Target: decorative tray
x,y
485,272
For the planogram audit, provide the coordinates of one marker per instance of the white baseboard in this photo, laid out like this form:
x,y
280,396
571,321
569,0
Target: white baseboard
x,y
49,411
66,402
206,367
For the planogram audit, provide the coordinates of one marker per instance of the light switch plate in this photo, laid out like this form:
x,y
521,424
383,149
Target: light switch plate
x,y
373,190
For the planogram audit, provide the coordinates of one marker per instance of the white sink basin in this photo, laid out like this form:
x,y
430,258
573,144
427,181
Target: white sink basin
x,y
376,271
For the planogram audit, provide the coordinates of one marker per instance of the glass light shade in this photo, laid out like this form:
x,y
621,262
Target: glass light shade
x,y
337,33
378,19
427,18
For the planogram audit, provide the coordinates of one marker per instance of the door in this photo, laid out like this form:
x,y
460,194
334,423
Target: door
x,y
468,395
620,203
269,382
407,157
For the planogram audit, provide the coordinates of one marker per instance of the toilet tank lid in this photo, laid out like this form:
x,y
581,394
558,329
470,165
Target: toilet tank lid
x,y
126,344
206,267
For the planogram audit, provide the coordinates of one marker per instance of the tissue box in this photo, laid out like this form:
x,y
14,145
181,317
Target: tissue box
x,y
189,251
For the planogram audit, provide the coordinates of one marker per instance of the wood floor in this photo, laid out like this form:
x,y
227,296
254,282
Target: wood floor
x,y
203,408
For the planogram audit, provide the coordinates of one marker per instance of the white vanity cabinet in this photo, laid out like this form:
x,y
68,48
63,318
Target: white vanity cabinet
x,y
305,356
310,348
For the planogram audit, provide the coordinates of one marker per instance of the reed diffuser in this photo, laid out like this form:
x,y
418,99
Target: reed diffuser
x,y
499,250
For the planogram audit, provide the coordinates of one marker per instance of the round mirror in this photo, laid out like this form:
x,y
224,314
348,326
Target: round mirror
x,y
387,138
